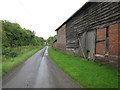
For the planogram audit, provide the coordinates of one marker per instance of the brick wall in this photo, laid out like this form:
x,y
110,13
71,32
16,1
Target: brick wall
x,y
101,34
101,46
61,39
114,41
113,47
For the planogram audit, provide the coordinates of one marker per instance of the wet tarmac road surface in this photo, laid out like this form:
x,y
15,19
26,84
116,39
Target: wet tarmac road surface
x,y
39,71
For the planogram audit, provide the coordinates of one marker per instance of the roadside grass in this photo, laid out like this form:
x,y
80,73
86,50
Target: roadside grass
x,y
86,73
24,52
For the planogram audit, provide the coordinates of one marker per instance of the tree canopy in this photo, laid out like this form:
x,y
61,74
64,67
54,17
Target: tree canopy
x,y
51,39
13,35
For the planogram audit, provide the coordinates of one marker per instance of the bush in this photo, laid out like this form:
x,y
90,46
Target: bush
x,y
12,54
5,51
8,52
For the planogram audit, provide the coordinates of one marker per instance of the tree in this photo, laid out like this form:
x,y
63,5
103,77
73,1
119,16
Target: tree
x,y
51,39
13,35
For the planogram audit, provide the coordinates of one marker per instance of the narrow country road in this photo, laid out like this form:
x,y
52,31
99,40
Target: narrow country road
x,y
39,71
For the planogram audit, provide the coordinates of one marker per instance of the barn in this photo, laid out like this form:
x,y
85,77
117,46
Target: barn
x,y
92,32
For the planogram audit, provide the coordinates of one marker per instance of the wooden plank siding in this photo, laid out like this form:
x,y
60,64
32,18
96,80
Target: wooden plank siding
x,y
93,16
92,33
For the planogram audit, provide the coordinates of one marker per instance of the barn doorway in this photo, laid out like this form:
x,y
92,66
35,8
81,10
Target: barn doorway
x,y
82,45
87,44
90,44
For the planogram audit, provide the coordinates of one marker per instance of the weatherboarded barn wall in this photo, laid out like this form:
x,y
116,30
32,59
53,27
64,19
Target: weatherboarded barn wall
x,y
92,32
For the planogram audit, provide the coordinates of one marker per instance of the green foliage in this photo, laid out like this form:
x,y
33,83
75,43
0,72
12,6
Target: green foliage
x,y
8,52
9,63
13,35
86,73
17,45
51,39
5,42
12,54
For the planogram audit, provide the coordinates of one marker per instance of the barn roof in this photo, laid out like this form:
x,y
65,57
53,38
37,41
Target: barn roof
x,y
85,6
82,8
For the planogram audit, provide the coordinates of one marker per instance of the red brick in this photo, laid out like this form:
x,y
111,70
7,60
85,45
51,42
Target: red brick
x,y
113,31
100,48
101,34
115,26
114,40
114,49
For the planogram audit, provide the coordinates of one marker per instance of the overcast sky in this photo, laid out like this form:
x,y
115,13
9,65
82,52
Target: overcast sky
x,y
41,16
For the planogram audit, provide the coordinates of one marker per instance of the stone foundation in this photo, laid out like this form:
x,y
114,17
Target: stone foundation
x,y
72,52
108,60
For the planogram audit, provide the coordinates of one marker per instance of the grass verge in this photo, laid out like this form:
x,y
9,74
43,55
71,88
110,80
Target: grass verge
x,y
24,52
86,73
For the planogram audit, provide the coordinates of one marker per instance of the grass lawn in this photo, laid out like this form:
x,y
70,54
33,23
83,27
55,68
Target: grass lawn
x,y
23,52
86,73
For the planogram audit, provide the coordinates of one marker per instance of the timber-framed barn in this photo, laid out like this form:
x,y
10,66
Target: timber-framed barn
x,y
92,32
